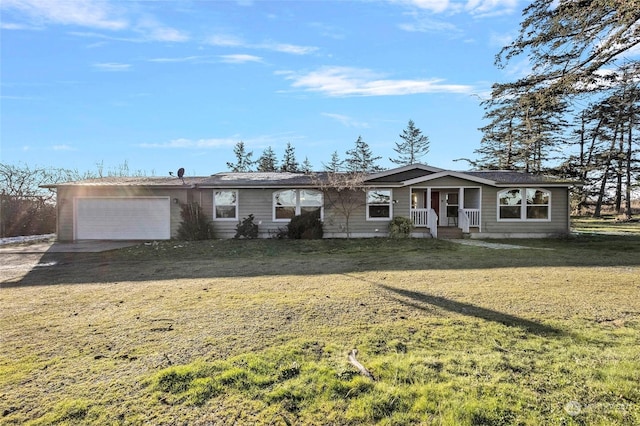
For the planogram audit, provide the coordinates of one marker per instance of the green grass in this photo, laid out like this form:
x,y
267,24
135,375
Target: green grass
x,y
605,224
258,332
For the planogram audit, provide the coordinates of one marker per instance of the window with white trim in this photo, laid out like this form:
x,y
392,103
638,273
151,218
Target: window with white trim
x,y
524,204
225,204
288,203
379,204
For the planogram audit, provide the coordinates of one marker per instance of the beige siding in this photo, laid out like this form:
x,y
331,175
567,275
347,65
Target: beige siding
x,y
557,225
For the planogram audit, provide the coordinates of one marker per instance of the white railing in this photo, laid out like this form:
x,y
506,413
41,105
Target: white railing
x,y
463,221
468,218
420,217
432,223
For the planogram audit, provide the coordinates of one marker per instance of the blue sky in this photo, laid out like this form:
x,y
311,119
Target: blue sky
x,y
163,85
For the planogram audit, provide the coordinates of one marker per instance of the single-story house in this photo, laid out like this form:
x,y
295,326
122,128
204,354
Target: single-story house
x,y
441,203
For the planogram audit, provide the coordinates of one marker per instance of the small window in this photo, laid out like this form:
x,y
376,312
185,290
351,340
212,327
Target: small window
x,y
534,205
292,202
379,204
225,205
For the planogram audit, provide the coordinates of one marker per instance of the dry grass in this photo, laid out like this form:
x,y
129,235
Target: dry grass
x,y
456,334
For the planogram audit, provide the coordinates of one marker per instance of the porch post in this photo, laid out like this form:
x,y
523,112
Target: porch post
x,y
428,194
461,198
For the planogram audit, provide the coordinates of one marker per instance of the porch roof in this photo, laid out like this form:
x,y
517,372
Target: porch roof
x,y
499,178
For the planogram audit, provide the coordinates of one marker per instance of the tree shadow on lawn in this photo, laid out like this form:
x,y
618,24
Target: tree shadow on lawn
x,y
423,301
252,258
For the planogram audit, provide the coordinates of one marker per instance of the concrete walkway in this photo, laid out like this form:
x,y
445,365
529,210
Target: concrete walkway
x,y
495,246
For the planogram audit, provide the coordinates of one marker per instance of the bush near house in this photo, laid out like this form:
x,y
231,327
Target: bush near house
x,y
247,228
400,227
306,226
195,224
22,216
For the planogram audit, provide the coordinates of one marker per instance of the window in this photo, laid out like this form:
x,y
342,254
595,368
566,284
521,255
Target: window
x,y
379,204
534,205
292,202
452,204
225,205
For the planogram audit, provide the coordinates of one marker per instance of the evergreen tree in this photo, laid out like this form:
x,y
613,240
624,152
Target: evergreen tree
x,y
414,146
307,167
268,161
360,159
289,162
335,165
243,163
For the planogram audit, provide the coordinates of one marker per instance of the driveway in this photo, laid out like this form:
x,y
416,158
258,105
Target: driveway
x,y
19,259
57,247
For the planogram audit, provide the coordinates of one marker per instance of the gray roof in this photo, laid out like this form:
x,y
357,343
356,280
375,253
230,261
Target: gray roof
x,y
511,177
253,179
291,180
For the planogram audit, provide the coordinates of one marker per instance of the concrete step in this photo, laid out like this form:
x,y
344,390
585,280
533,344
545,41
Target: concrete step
x,y
449,232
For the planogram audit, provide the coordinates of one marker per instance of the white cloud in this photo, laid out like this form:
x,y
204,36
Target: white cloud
x,y
99,15
287,48
485,8
111,66
225,40
424,24
13,26
436,6
182,59
192,144
345,120
240,58
479,8
84,13
347,81
63,147
154,31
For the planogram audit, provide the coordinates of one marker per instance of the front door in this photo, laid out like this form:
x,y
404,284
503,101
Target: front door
x,y
435,202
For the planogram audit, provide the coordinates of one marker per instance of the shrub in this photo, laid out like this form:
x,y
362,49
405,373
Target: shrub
x,y
306,226
195,225
22,216
246,228
400,227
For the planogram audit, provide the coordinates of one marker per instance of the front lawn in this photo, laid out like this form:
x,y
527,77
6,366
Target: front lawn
x,y
258,332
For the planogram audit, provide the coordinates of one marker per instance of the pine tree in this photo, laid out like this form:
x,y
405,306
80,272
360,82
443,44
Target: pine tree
x,y
335,165
414,146
268,161
289,162
243,163
307,167
360,159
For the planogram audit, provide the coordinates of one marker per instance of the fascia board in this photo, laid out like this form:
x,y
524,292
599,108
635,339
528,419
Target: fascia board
x,y
447,173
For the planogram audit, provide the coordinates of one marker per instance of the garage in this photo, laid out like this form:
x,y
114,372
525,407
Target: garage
x,y
122,218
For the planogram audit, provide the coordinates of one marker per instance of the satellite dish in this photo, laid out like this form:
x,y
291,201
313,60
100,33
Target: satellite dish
x,y
181,172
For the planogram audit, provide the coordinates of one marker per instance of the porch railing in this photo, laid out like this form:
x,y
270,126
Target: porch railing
x,y
425,218
432,222
420,217
468,218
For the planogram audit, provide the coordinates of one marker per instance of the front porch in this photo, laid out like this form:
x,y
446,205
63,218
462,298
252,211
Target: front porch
x,y
445,207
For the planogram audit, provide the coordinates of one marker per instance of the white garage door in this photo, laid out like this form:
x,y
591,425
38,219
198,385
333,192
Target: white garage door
x,y
118,218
